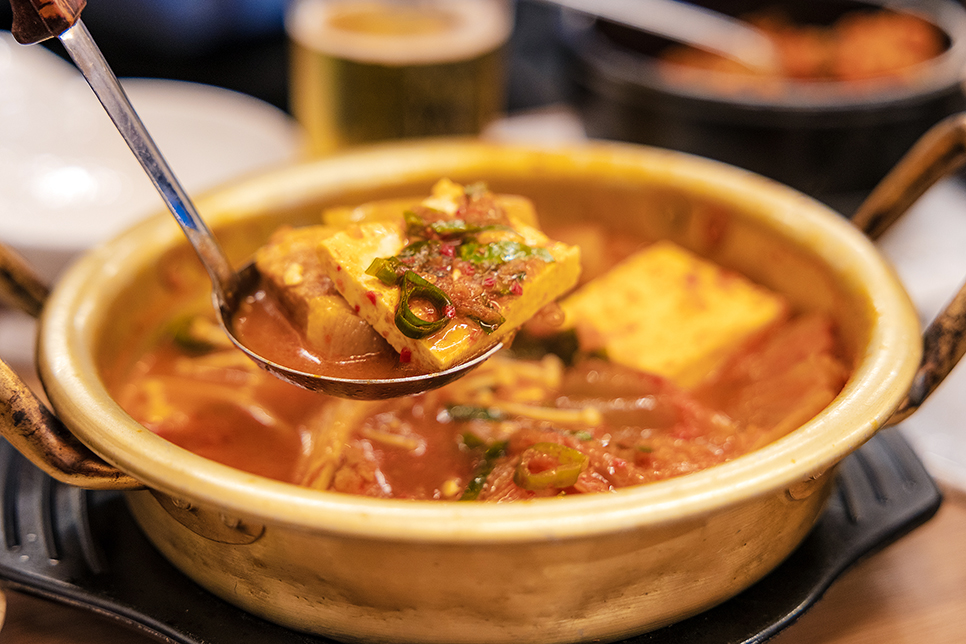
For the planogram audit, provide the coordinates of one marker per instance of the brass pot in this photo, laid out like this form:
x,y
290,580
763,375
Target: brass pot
x,y
600,566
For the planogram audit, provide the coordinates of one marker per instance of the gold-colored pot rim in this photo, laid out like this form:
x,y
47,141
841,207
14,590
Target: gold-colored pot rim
x,y
76,312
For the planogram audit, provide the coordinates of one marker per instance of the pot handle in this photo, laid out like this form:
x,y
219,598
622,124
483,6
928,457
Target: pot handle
x,y
25,421
939,153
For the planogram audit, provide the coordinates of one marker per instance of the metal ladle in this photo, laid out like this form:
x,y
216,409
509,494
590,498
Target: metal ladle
x,y
38,20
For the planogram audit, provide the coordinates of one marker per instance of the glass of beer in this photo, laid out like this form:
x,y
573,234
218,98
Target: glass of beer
x,y
373,70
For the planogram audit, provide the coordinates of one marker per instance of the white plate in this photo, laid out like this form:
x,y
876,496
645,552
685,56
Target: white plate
x,y
67,179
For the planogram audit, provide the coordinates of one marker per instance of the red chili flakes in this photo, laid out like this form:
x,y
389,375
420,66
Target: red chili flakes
x,y
405,356
338,267
447,250
516,288
357,308
489,281
449,311
371,296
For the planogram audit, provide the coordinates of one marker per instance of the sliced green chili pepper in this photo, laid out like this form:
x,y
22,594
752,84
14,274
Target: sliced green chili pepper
x,y
568,463
413,326
475,485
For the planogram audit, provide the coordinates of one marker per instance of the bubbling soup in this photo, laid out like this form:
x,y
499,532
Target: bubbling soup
x,y
657,364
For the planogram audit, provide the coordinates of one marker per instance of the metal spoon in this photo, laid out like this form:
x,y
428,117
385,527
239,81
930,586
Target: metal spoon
x,y
686,23
37,20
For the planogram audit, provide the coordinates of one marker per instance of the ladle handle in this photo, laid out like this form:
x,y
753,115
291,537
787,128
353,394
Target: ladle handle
x,y
89,60
20,286
936,155
38,20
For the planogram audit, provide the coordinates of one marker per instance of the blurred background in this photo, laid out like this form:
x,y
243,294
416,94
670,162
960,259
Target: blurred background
x,y
242,45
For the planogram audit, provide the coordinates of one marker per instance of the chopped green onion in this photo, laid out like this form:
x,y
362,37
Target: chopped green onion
x,y
456,227
564,345
411,325
417,247
449,227
565,465
475,485
414,223
489,326
197,335
500,252
384,268
460,413
472,441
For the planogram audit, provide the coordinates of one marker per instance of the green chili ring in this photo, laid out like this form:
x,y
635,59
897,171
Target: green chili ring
x,y
411,325
569,464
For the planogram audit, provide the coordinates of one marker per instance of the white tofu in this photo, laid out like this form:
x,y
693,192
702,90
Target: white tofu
x,y
669,312
347,254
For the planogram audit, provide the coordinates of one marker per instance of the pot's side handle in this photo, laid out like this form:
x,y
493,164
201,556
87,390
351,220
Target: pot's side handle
x,y
939,153
24,420
19,285
37,434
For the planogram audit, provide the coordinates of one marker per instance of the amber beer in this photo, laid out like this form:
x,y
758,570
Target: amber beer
x,y
373,70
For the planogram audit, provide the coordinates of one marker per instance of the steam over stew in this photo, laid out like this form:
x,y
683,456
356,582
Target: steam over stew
x,y
657,363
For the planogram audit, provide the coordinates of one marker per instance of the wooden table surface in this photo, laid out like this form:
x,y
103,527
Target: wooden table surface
x,y
912,592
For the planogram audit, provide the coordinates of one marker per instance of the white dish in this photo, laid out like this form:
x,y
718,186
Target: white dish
x,y
67,179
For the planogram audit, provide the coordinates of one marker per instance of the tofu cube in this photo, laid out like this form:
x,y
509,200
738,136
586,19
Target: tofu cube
x,y
347,254
290,267
669,312
291,270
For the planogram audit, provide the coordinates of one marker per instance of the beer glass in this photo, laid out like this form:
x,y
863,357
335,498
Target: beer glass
x,y
372,70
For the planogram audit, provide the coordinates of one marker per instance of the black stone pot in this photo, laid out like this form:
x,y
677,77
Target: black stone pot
x,y
827,141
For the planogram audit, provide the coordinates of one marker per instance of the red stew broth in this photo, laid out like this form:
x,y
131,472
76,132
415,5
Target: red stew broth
x,y
262,326
533,428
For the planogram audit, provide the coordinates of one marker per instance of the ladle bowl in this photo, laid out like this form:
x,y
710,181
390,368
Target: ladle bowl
x,y
356,388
